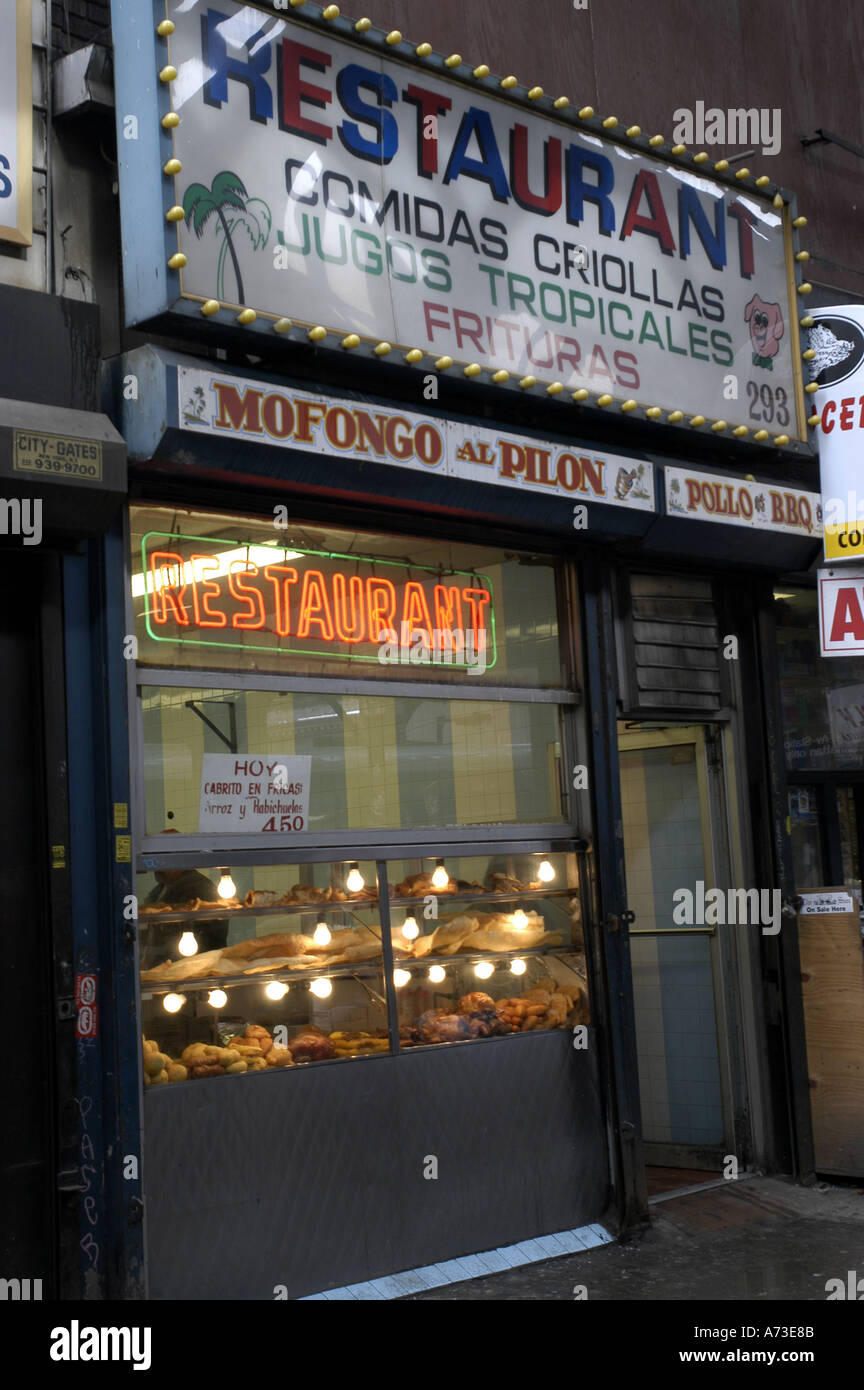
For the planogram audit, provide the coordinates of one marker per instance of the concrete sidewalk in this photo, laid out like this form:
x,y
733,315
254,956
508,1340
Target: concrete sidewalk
x,y
754,1239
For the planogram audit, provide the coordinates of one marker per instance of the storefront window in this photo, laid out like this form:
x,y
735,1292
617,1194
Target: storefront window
x,y
803,811
823,700
268,714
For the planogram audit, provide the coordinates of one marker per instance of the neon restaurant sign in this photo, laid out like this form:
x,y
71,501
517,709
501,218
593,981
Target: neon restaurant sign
x,y
216,592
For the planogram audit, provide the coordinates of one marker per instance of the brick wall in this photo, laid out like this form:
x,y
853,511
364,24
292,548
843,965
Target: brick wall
x,y
76,23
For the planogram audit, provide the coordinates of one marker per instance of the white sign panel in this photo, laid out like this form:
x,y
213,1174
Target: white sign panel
x,y
241,791
846,719
827,903
837,339
841,612
16,123
278,415
328,185
736,502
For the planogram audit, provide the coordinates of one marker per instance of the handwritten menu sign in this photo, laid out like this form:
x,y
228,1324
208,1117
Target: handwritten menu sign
x,y
240,791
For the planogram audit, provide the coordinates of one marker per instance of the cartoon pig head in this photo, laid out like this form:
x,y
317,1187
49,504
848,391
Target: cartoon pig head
x,y
766,326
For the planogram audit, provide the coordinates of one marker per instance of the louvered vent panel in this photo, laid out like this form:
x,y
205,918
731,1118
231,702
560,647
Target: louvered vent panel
x,y
675,643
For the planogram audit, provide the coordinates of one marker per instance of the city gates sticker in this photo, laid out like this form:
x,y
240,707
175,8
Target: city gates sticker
x,y
254,794
208,591
279,415
324,181
737,502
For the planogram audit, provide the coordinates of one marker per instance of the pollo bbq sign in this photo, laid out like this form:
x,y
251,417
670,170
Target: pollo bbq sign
x,y
308,183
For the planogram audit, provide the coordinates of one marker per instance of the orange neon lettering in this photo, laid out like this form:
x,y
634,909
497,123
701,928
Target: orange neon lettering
x,y
477,600
448,613
314,606
165,563
415,611
371,432
237,412
354,631
381,601
281,588
400,447
210,590
246,594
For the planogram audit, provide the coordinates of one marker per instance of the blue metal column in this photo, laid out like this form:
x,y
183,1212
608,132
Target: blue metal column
x,y
104,941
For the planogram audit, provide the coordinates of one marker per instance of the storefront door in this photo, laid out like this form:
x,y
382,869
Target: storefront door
x,y
675,838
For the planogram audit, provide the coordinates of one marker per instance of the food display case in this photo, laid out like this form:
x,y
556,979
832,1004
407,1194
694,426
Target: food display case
x,y
325,962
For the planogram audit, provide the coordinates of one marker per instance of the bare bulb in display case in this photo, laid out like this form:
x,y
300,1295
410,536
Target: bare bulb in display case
x,y
188,944
518,966
437,973
355,880
217,999
440,877
322,935
546,872
173,1003
410,929
321,988
520,921
401,977
276,990
483,969
226,887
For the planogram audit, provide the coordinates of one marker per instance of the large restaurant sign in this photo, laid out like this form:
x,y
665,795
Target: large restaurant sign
x,y
263,412
305,179
16,124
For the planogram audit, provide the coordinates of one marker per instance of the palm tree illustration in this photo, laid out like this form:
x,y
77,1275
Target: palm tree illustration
x,y
228,201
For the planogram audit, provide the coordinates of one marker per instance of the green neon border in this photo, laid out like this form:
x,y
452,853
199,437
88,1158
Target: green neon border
x,y
293,651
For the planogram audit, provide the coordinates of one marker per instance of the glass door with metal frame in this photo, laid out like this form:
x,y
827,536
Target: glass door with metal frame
x,y
672,796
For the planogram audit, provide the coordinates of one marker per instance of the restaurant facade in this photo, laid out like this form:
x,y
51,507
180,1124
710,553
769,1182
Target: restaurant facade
x,y
470,465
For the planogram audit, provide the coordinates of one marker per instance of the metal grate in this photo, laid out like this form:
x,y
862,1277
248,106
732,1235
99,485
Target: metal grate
x,y
673,642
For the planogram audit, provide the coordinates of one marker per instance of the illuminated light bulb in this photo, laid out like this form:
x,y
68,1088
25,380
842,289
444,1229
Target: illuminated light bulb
x,y
807,321
415,355
317,333
168,73
675,416
760,435
777,201
605,399
410,929
586,112
210,307
217,999
656,140
799,222
173,1003
535,93
454,61
165,28
483,969
629,405
518,966
633,131
440,877
395,37
546,872
719,426
401,978
172,166
763,181
721,166
170,120
331,12
382,349
811,387
276,990
679,149
742,173
520,921
351,341
355,880
809,354
697,421
281,325
812,419
437,973
246,316
500,376
443,363
781,439
610,122
555,388
740,431
580,395
527,382
653,412
321,988
422,50
227,888
175,214
473,369
188,944
481,71
177,261
322,935
363,25
508,83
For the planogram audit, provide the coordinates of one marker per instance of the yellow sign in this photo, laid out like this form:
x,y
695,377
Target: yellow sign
x,y
844,542
57,455
121,815
123,851
58,856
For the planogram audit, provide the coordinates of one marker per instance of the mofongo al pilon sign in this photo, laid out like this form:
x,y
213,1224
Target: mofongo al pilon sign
x,y
295,173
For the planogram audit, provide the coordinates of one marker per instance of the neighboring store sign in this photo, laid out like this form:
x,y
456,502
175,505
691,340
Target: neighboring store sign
x,y
826,902
57,454
846,719
217,592
303,177
279,415
837,339
254,794
16,123
735,502
841,612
